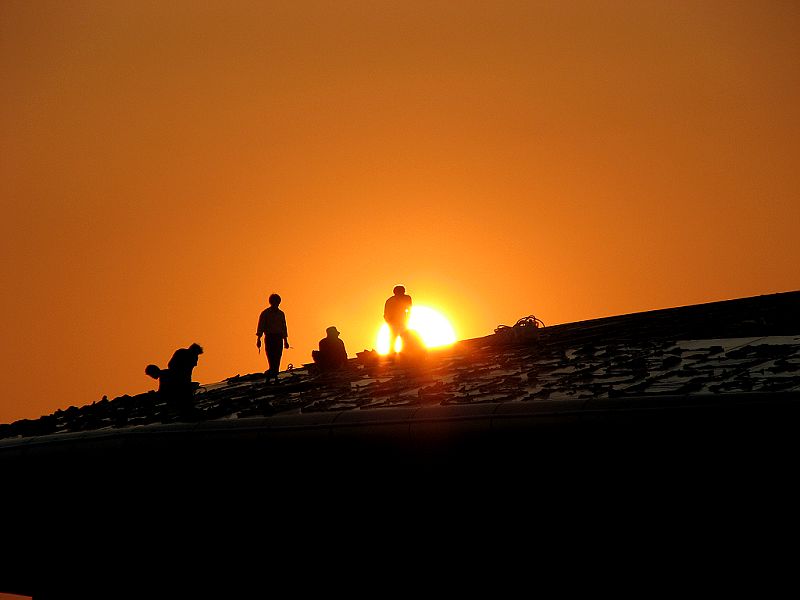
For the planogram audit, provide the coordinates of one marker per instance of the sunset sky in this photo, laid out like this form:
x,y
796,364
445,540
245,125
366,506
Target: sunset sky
x,y
165,166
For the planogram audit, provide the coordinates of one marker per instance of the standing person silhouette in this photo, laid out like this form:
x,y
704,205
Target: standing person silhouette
x,y
272,325
395,313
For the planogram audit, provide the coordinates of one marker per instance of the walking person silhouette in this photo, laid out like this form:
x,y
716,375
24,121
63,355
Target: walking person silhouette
x,y
272,325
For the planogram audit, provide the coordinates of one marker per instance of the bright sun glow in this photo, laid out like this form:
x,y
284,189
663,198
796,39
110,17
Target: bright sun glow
x,y
431,326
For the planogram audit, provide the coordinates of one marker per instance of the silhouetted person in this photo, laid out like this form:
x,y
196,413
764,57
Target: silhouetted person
x,y
175,382
395,313
272,325
331,355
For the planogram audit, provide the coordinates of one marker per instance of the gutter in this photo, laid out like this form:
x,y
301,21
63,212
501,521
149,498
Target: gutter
x,y
407,424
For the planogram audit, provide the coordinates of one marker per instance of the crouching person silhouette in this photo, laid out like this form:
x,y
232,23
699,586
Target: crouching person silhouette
x,y
331,355
175,384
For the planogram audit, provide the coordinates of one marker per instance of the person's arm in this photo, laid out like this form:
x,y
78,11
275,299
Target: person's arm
x,y
259,330
285,332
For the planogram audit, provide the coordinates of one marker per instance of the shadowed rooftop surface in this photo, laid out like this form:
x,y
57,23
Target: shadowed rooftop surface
x,y
748,345
699,399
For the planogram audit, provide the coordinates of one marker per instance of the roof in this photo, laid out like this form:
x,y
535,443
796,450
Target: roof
x,y
732,347
702,397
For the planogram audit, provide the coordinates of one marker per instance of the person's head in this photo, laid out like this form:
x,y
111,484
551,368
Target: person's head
x,y
274,299
399,290
196,349
332,331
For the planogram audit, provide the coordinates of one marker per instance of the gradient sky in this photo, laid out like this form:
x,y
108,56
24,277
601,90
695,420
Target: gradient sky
x,y
165,166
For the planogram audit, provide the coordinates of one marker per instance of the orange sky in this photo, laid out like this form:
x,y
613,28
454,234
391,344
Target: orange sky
x,y
165,166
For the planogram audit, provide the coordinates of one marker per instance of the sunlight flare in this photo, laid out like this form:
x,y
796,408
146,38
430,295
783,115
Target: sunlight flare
x,y
432,327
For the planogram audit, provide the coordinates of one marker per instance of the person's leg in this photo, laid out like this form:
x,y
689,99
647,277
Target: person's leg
x,y
168,389
274,349
184,399
393,335
278,356
397,331
270,352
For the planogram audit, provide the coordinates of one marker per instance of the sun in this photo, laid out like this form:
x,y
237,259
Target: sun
x,y
432,327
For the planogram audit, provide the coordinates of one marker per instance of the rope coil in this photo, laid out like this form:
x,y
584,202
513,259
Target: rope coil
x,y
525,323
